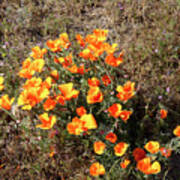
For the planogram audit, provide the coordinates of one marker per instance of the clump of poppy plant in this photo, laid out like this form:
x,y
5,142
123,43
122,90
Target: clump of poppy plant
x,y
80,90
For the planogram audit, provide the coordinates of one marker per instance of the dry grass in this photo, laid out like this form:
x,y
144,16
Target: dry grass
x,y
148,31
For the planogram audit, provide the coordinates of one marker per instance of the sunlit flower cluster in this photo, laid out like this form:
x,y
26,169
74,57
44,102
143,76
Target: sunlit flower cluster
x,y
81,85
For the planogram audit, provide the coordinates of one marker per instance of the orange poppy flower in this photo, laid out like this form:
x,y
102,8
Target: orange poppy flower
x,y
165,152
89,121
73,69
47,121
163,113
77,70
54,45
146,167
93,81
87,54
96,169
30,67
1,83
60,99
125,163
96,49
120,148
99,147
49,104
81,111
110,49
101,34
176,131
113,61
152,147
5,102
115,110
68,61
94,95
37,65
38,53
139,154
32,83
76,127
54,74
126,91
64,40
26,72
80,40
106,80
32,93
57,44
124,115
111,137
155,168
47,83
67,91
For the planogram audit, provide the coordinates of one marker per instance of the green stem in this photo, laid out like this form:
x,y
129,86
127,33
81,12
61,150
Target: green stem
x,y
11,115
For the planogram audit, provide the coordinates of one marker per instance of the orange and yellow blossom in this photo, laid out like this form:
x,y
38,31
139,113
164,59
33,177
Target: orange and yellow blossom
x,y
60,99
126,91
165,152
106,80
37,65
138,154
97,169
64,40
29,67
100,34
57,44
146,167
87,54
115,110
176,131
54,74
96,49
89,121
111,137
124,115
80,111
99,147
77,70
5,102
76,127
113,61
120,148
80,40
47,121
68,92
32,83
79,125
163,113
47,83
1,83
94,95
152,147
34,92
66,61
26,71
49,104
32,96
125,163
110,49
37,52
93,81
